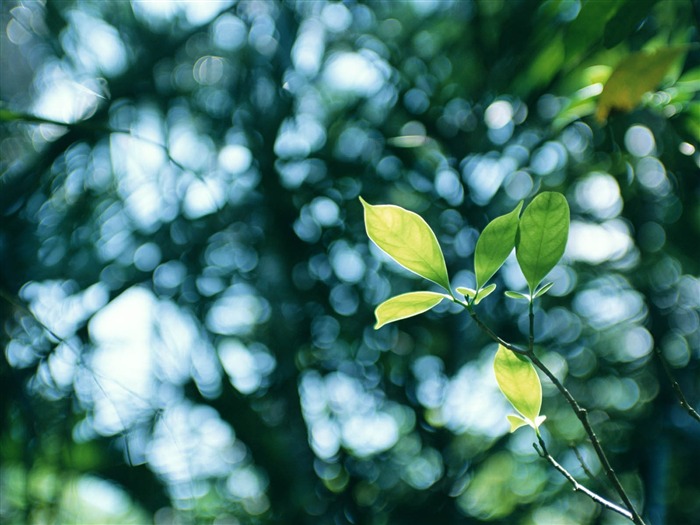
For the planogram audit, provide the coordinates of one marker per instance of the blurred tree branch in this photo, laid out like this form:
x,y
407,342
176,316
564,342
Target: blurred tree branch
x,y
581,414
544,453
676,387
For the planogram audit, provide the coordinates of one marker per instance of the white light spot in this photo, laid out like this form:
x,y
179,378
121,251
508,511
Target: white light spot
x,y
208,70
370,434
353,73
599,194
686,148
498,114
235,158
639,141
325,211
336,16
203,197
347,263
596,243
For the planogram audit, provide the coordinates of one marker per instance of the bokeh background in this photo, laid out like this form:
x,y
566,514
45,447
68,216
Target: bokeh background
x,y
187,289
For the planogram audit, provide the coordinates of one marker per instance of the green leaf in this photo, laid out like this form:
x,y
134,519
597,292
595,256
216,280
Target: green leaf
x,y
495,244
517,295
542,235
7,115
519,382
636,74
586,30
407,239
626,21
467,292
406,305
543,290
484,292
516,422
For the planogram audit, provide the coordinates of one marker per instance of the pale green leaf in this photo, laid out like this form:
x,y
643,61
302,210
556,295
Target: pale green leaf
x,y
516,422
635,75
484,293
407,239
406,305
519,382
467,292
542,235
517,295
495,244
543,290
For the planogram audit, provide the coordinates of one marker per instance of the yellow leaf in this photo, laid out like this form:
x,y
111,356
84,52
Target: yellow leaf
x,y
635,75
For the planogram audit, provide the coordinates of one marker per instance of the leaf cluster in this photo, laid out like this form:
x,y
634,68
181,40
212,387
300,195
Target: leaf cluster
x,y
539,238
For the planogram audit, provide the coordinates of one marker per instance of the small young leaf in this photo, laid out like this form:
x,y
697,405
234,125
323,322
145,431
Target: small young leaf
x,y
635,75
519,382
542,235
406,305
495,244
517,295
545,288
516,422
485,292
467,292
407,239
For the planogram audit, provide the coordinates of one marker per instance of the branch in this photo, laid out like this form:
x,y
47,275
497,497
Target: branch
x,y
7,115
487,329
677,388
581,413
544,453
585,468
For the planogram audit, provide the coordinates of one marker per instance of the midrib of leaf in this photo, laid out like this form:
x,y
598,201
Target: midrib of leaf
x,y
417,256
540,242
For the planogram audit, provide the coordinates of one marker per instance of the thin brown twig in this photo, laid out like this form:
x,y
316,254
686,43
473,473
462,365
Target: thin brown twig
x,y
487,329
578,487
585,468
677,388
495,337
580,412
582,415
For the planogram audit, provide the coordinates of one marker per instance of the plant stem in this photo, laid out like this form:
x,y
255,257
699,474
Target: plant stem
x,y
582,415
487,329
585,468
531,315
544,453
677,388
580,412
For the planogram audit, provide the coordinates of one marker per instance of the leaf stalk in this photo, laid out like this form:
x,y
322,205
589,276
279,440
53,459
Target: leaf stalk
x,y
581,413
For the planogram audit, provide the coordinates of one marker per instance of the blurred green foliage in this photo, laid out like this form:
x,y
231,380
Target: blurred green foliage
x,y
187,286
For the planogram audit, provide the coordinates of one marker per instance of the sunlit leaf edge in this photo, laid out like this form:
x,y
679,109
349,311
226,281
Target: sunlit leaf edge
x,y
511,371
421,302
435,271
